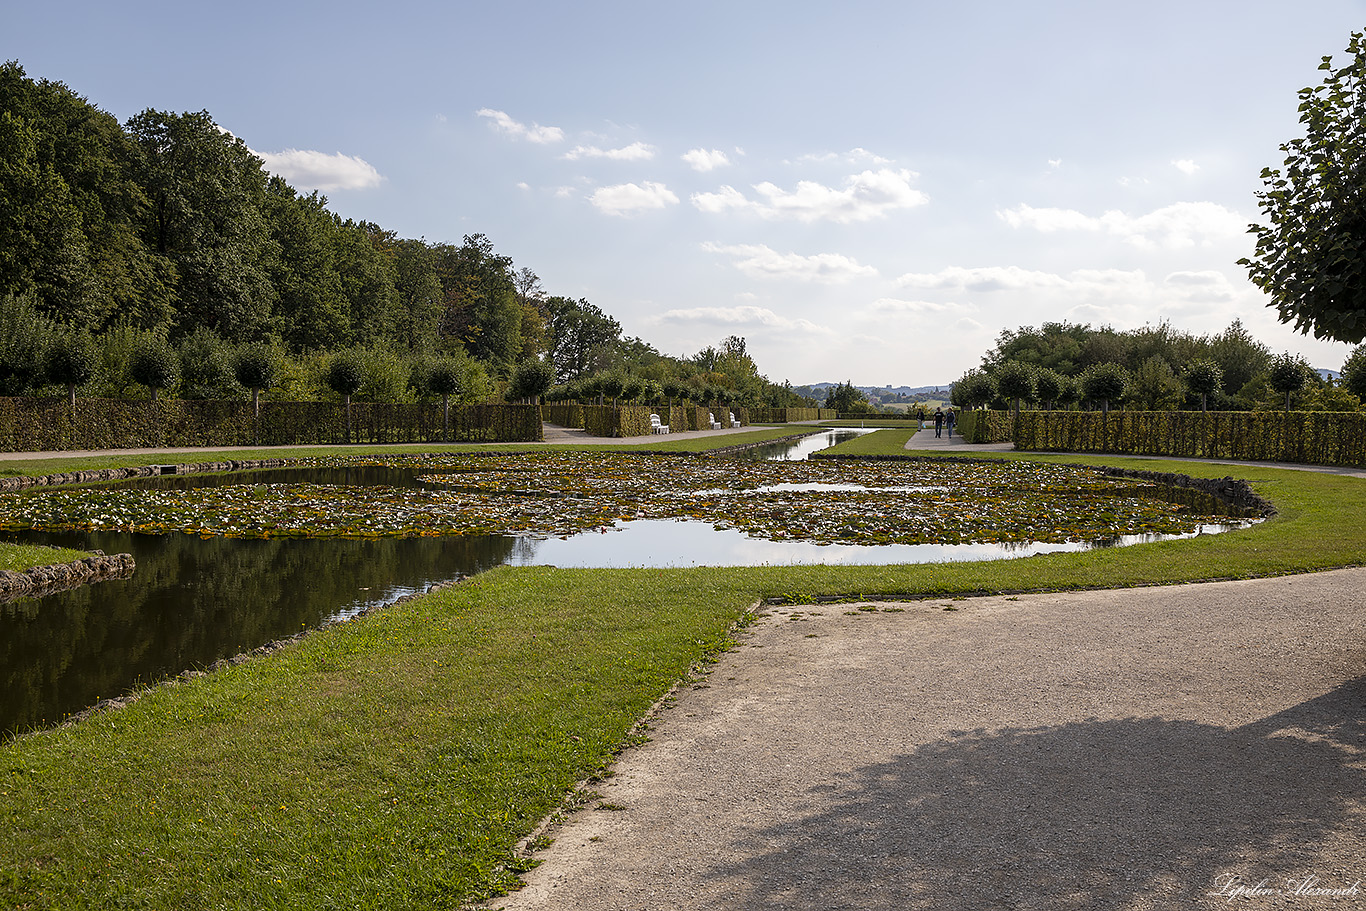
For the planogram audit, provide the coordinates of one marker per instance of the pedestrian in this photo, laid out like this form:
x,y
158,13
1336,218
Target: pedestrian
x,y
948,419
939,422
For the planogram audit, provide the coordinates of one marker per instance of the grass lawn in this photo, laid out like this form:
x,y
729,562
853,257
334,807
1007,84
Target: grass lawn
x,y
394,761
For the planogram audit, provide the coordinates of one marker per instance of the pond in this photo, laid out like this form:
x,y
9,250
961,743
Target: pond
x,y
269,554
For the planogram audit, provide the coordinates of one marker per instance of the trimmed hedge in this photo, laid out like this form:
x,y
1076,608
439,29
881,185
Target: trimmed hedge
x,y
567,414
1304,437
39,425
789,415
985,426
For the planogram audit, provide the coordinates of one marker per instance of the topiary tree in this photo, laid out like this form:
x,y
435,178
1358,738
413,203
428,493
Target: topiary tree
x,y
206,367
155,366
1288,374
1204,377
633,388
1048,384
973,390
1015,381
70,362
1104,383
345,375
530,381
256,367
443,379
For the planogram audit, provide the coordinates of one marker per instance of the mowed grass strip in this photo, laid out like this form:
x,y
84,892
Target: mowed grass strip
x,y
394,762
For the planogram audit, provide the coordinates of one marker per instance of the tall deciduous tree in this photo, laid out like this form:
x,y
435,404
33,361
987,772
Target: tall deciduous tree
x,y
1311,257
206,191
580,334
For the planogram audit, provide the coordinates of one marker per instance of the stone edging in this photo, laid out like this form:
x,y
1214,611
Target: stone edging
x,y
60,577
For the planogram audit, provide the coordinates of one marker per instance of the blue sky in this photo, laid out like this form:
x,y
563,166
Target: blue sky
x,y
864,190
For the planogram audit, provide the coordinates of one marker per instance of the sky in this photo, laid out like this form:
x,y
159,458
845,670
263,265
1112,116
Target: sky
x,y
864,191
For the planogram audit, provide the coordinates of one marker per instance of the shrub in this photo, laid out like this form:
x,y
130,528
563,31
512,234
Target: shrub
x,y
154,365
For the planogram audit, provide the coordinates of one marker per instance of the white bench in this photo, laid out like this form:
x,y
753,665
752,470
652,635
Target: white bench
x,y
715,424
733,421
656,427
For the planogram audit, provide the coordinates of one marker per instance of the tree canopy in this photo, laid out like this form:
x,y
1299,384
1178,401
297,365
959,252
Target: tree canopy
x,y
1311,256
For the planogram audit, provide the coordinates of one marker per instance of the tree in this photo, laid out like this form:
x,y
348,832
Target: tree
x,y
846,397
443,379
1048,386
70,361
973,389
1288,375
1015,381
530,380
24,337
256,367
1311,257
1104,383
1155,386
154,365
1354,372
345,376
206,191
1203,376
580,333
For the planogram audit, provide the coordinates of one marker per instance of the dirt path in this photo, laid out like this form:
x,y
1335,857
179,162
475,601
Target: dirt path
x,y
1151,748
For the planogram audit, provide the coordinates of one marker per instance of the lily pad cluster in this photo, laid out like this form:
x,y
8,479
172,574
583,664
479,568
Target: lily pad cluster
x,y
559,493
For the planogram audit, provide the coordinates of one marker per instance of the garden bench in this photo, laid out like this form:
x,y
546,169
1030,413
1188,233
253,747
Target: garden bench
x,y
656,427
711,419
733,421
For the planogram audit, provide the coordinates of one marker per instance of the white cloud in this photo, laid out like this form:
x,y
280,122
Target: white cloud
x,y
705,160
988,279
629,198
1207,285
1185,166
871,194
853,156
741,316
1182,224
1055,163
917,307
636,151
534,133
319,171
759,261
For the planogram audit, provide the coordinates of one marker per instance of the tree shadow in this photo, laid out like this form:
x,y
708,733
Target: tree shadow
x,y
1137,812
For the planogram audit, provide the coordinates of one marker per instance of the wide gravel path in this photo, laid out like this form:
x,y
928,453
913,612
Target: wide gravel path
x,y
1149,748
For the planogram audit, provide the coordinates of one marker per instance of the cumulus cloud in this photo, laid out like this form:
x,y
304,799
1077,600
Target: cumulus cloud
x,y
871,194
741,316
1207,285
636,151
760,261
629,198
1182,224
1185,166
534,133
320,171
706,160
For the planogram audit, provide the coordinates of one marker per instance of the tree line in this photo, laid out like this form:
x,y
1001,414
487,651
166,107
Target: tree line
x,y
158,256
1061,365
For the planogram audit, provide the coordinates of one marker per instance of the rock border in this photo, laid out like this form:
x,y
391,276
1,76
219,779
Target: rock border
x,y
38,581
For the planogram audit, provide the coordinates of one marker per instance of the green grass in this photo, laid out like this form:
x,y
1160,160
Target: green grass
x,y
394,762
25,556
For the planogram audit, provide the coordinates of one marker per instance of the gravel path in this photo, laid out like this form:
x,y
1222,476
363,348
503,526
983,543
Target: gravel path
x,y
1150,748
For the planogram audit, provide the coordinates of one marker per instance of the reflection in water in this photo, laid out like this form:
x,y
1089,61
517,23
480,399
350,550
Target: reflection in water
x,y
798,450
193,601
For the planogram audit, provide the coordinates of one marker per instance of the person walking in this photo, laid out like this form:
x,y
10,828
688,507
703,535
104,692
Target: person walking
x,y
948,420
939,422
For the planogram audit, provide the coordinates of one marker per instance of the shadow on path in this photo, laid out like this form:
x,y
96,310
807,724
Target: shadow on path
x,y
1129,813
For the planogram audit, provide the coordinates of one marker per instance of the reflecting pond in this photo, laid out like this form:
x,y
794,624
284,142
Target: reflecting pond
x,y
196,599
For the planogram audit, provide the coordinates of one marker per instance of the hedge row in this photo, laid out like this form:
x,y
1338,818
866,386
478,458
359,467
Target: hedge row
x,y
634,420
985,426
1305,437
37,425
790,415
